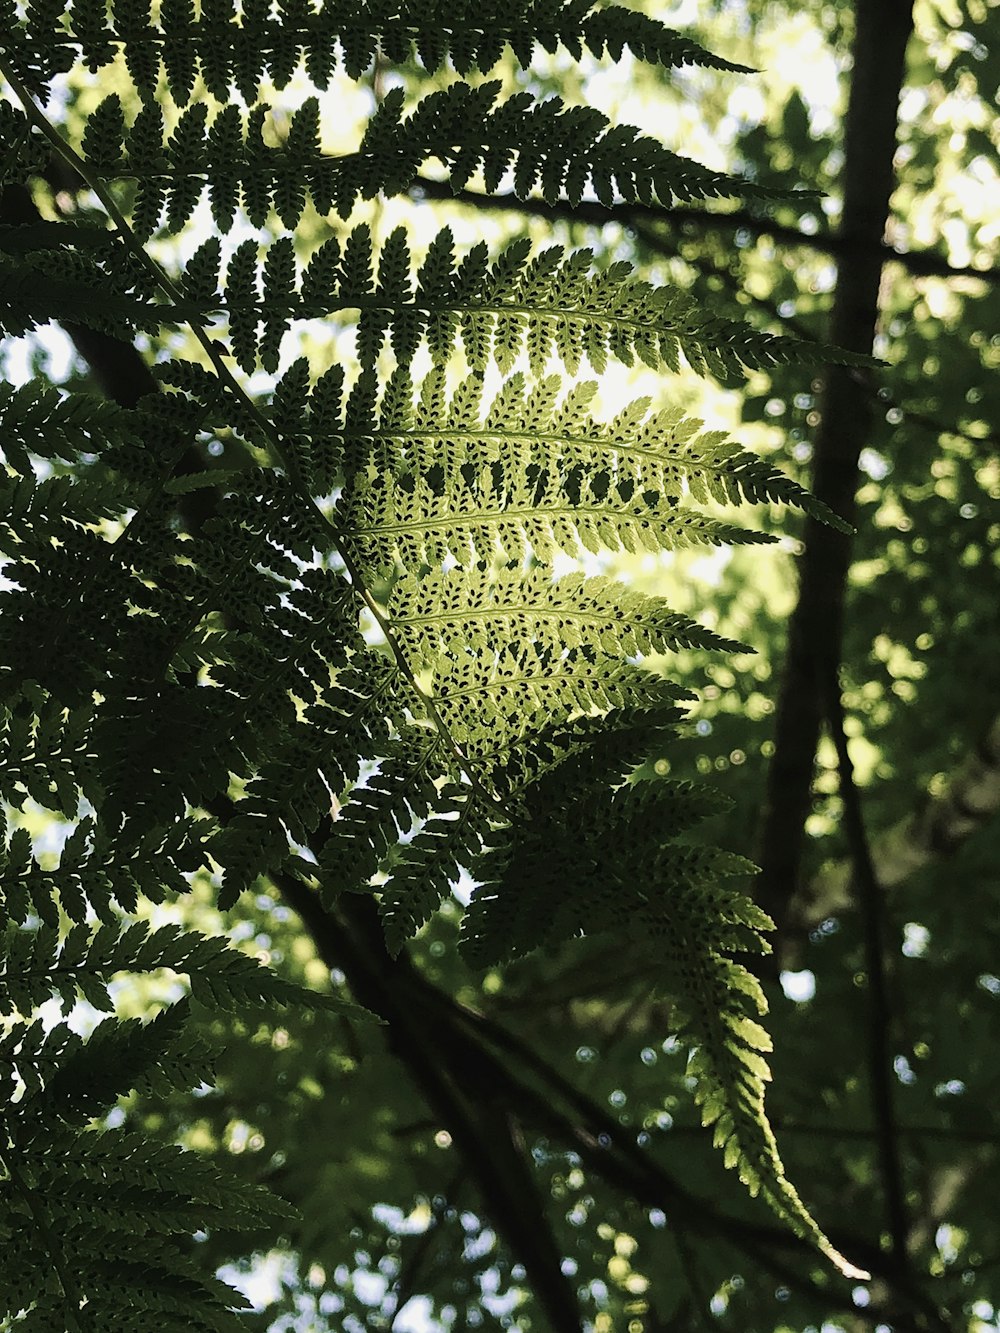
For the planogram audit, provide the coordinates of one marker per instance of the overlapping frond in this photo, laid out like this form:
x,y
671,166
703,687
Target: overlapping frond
x,y
542,305
428,469
226,45
560,150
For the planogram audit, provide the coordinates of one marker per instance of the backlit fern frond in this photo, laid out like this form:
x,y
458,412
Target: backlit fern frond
x,y
678,909
542,305
510,651
593,891
457,613
558,149
449,839
308,624
38,418
432,479
226,45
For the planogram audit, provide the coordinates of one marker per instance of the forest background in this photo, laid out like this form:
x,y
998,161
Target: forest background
x,y
878,855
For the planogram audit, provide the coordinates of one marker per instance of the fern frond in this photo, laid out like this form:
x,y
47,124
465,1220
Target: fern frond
x,y
680,912
36,418
444,467
381,808
558,149
106,293
96,1224
492,700
24,153
355,666
431,481
33,968
595,746
460,612
451,836
61,1079
549,304
99,872
349,722
588,893
229,47
723,1002
385,523
41,756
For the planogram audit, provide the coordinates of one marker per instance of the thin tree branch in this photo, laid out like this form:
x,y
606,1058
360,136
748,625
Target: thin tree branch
x,y
880,1068
490,1146
404,1288
646,224
485,1136
601,1141
881,398
920,263
938,827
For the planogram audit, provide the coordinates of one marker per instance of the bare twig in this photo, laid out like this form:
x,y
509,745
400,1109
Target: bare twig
x,y
920,263
880,1069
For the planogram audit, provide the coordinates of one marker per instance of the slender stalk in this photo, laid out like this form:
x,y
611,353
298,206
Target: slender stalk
x,y
880,1067
921,263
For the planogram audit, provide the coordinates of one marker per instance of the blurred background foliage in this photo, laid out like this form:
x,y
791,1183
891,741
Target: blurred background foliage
x,y
567,1057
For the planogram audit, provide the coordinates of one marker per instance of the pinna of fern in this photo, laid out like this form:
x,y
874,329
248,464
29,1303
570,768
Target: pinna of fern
x,y
228,46
561,150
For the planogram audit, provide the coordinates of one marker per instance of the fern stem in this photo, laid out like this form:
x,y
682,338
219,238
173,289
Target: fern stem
x,y
427,700
229,381
93,182
72,1296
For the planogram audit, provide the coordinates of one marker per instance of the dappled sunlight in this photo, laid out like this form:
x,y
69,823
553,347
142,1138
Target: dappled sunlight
x,y
397,706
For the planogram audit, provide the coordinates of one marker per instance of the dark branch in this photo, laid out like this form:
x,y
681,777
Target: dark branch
x,y
815,631
119,371
920,263
456,1079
